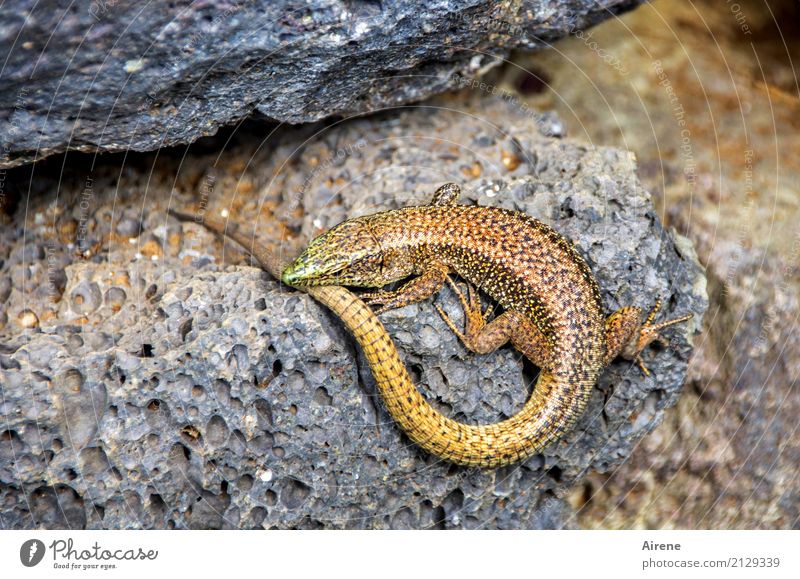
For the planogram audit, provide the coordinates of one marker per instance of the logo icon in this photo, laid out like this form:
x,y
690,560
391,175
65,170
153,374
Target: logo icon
x,y
31,553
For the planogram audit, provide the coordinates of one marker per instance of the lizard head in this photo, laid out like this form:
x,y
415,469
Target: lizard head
x,y
347,254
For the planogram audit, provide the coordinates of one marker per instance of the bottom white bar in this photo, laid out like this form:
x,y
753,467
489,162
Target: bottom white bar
x,y
496,554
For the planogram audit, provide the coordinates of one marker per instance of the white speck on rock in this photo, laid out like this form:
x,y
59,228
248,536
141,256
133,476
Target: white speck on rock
x,y
135,65
361,28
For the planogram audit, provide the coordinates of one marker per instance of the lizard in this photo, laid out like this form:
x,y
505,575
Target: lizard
x,y
553,312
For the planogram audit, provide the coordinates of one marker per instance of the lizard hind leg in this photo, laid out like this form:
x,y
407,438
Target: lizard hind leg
x,y
627,336
482,337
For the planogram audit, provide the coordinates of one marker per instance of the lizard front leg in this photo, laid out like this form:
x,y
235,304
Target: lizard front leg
x,y
627,336
420,288
483,337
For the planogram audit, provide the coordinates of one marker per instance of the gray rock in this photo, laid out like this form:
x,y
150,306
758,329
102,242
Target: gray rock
x,y
207,395
105,75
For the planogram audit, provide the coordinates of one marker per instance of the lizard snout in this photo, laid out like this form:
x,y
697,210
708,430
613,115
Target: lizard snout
x,y
303,271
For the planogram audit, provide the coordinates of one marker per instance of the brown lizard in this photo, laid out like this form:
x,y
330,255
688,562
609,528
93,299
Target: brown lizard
x,y
553,312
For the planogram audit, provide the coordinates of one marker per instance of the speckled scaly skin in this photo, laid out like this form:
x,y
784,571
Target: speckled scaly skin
x,y
553,313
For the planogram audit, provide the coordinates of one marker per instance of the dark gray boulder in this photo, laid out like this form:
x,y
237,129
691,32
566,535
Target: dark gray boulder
x,y
106,75
161,382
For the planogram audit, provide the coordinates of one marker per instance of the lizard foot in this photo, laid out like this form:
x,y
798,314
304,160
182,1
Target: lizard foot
x,y
474,318
649,333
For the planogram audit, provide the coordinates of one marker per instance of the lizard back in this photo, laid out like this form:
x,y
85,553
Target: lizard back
x,y
519,261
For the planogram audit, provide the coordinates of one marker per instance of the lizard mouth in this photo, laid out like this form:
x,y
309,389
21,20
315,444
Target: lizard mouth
x,y
302,272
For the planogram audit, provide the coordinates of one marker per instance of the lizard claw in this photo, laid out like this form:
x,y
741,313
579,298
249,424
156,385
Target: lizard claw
x,y
641,364
450,323
627,336
474,316
650,332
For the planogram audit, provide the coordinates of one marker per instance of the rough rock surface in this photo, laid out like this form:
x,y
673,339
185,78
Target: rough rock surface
x,y
113,75
158,385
